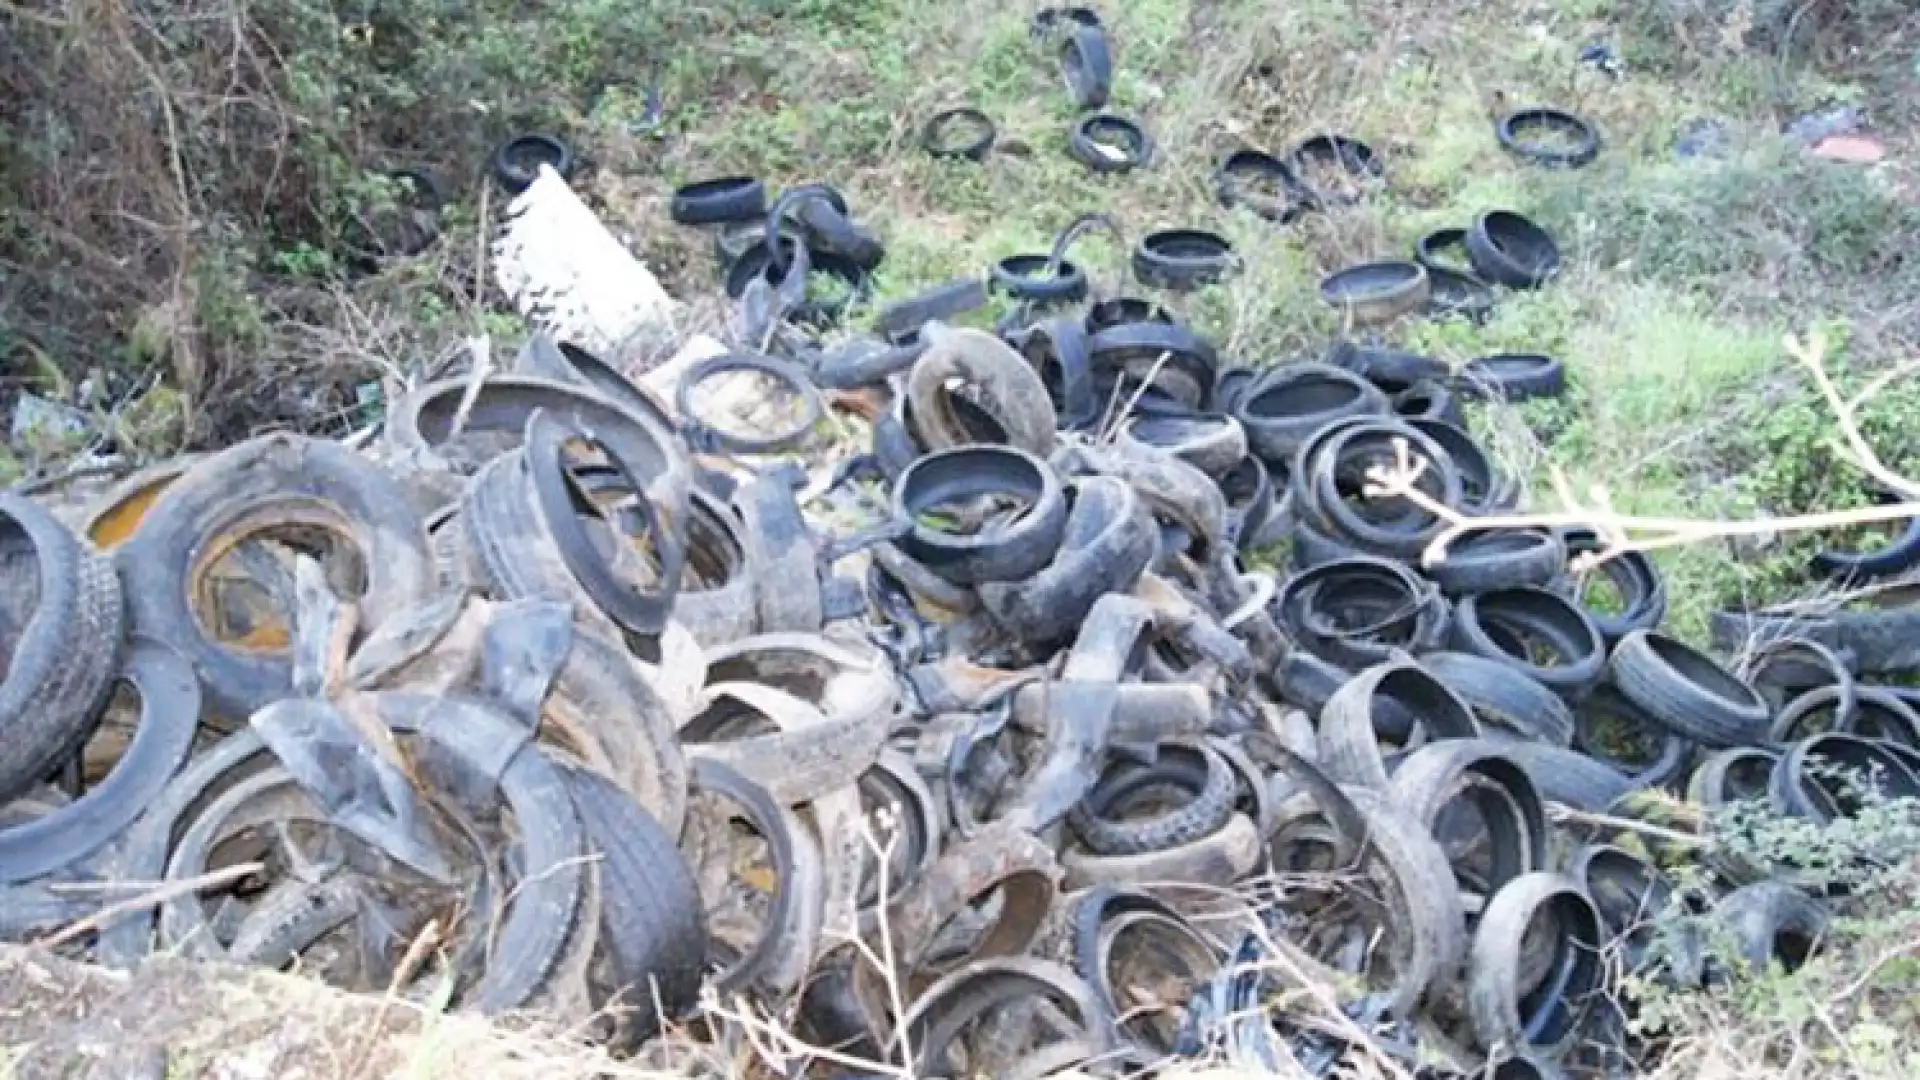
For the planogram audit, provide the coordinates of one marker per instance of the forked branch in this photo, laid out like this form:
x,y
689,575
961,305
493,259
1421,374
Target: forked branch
x,y
1624,533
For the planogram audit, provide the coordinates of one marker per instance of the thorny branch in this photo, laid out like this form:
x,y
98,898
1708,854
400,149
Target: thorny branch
x,y
1624,533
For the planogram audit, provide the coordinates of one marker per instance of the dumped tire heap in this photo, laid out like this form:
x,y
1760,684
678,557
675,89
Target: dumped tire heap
x,y
1052,778
560,698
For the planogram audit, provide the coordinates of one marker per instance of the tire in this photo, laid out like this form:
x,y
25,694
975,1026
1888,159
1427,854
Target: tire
x,y
1503,697
1514,377
510,160
1086,63
1688,692
169,718
1499,559
1547,617
1507,249
66,621
720,201
258,483
1208,781
651,922
1494,990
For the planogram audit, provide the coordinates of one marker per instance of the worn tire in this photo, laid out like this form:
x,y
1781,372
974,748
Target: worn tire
x,y
66,621
255,483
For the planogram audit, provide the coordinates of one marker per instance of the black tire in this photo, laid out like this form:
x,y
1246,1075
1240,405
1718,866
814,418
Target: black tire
x,y
651,922
1507,249
1091,134
1499,559
248,485
516,162
1182,259
1514,376
1586,146
169,718
1688,692
1504,1014
1637,578
1571,777
974,146
1504,698
1019,276
1208,780
1487,624
720,201
64,623
1430,400
1086,63
1289,405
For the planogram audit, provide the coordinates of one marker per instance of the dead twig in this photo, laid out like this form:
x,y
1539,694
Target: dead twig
x,y
152,898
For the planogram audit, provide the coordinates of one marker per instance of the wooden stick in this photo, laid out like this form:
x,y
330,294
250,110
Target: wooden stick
x,y
165,892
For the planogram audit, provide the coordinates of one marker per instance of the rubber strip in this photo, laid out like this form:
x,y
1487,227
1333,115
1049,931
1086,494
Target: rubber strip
x,y
974,142
1108,541
1687,691
1514,128
1011,553
900,321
